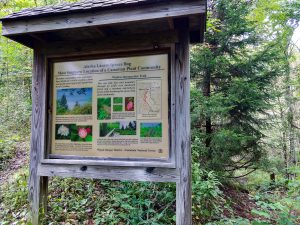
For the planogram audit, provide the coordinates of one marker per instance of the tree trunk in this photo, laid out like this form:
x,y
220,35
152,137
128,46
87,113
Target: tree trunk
x,y
284,140
208,124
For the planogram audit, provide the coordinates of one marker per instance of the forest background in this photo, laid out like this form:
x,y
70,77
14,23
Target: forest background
x,y
245,129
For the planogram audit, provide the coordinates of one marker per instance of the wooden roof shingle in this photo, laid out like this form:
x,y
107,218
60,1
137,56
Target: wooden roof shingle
x,y
75,7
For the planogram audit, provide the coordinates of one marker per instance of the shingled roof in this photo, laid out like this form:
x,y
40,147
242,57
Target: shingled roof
x,y
75,7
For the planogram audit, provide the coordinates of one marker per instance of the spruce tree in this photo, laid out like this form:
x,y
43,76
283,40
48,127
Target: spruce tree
x,y
232,73
64,102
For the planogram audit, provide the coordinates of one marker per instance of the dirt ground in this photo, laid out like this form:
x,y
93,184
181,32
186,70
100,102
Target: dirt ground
x,y
14,164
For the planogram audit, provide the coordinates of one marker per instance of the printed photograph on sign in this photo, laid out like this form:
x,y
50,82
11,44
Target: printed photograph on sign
x,y
62,132
151,130
104,108
118,129
129,103
111,108
118,104
74,101
81,133
108,129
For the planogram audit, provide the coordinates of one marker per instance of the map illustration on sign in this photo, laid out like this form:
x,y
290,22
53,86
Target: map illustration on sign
x,y
149,97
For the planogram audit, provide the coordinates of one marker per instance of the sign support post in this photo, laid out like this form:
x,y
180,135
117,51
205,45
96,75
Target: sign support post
x,y
38,185
183,144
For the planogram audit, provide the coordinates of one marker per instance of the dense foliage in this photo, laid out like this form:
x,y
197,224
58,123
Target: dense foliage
x,y
233,74
245,118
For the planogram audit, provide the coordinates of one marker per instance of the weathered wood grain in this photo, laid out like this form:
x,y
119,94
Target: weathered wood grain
x,y
172,106
113,16
183,145
109,172
37,184
106,162
138,42
49,105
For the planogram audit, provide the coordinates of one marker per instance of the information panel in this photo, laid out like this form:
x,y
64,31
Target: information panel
x,y
111,108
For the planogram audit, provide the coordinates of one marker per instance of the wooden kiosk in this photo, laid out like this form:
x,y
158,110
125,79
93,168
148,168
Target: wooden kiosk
x,y
110,92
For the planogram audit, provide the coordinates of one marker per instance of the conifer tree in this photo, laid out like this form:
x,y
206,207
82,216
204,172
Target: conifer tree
x,y
64,102
233,72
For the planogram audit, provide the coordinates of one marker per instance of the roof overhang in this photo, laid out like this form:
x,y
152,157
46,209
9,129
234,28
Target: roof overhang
x,y
94,23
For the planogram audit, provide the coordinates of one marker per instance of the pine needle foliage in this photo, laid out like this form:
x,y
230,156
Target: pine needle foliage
x,y
233,73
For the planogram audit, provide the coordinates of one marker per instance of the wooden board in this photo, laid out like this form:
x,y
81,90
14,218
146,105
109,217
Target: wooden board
x,y
57,160
183,142
109,173
38,184
129,43
108,17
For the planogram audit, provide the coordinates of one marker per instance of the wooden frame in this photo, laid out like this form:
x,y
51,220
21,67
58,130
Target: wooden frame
x,y
42,168
123,162
176,23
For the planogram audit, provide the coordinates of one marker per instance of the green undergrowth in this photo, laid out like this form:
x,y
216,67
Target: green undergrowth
x,y
110,202
84,201
7,148
14,208
79,201
90,201
277,202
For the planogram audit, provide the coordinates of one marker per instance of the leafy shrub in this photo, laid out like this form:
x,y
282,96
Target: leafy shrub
x,y
13,200
207,197
108,202
7,148
103,202
277,208
15,114
238,221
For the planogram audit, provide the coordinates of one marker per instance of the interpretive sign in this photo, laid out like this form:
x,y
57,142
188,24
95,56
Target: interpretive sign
x,y
111,108
110,93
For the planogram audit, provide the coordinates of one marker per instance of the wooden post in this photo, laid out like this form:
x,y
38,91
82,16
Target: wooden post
x,y
183,143
38,185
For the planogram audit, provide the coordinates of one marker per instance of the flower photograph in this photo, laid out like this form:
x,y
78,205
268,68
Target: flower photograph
x,y
81,133
62,132
151,130
104,108
74,101
129,104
